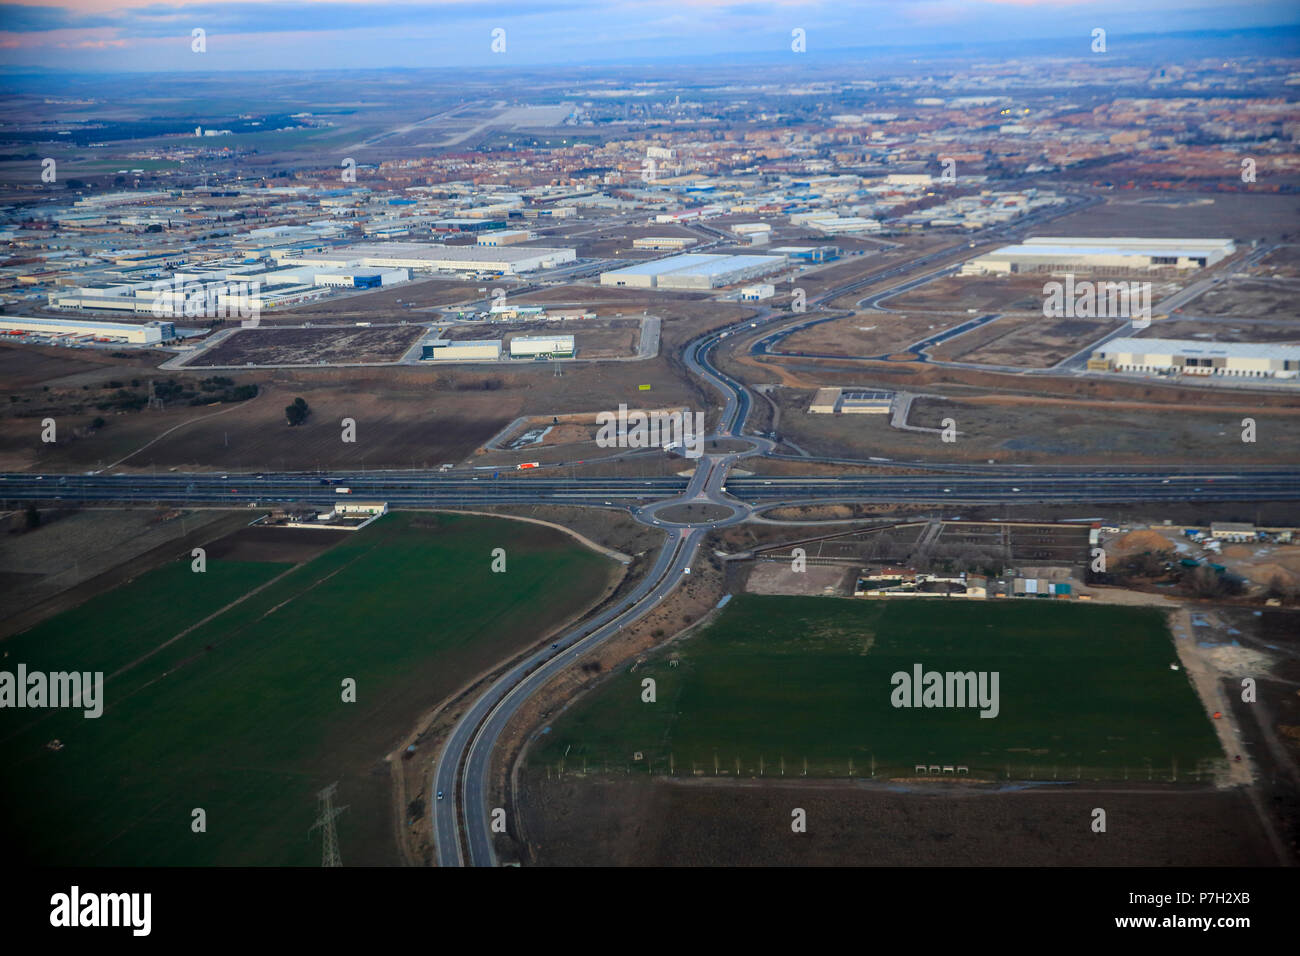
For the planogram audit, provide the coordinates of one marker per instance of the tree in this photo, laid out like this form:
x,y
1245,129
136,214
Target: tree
x,y
33,518
297,413
98,423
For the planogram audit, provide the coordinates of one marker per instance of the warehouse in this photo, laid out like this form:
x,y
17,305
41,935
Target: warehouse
x,y
1065,254
664,243
541,346
360,278
866,403
757,293
429,257
504,237
809,253
468,350
150,333
693,271
830,401
1191,357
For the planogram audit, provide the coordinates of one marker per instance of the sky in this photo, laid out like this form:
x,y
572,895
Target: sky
x,y
145,35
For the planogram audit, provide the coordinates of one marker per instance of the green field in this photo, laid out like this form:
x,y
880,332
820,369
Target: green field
x,y
243,716
1084,691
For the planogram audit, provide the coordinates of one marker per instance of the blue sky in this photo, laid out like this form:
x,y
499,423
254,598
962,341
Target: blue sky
x,y
313,34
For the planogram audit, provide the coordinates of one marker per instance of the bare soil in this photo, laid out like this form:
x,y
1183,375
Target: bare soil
x,y
314,346
633,821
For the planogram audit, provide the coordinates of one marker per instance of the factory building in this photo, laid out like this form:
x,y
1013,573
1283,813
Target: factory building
x,y
17,327
664,243
361,278
466,350
430,257
808,253
541,346
1192,357
1067,254
832,224
504,237
757,293
693,271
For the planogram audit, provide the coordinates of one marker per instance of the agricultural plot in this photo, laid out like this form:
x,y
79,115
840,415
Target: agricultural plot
x,y
223,691
788,686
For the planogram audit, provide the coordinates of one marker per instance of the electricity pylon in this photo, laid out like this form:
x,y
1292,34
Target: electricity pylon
x,y
326,812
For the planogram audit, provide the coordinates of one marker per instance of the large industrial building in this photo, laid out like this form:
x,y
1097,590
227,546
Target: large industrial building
x,y
432,256
71,330
541,346
697,270
1190,357
465,350
1067,254
665,243
808,253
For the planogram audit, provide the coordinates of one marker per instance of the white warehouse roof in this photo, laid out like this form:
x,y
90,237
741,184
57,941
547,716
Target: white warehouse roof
x,y
1079,247
1251,350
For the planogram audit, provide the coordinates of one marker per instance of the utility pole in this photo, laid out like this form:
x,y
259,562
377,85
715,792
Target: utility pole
x,y
326,812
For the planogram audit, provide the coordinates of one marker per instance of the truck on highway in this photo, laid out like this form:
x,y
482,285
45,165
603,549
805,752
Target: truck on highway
x,y
343,491
527,464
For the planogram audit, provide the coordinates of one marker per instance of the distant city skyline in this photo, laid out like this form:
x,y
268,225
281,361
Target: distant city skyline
x,y
142,35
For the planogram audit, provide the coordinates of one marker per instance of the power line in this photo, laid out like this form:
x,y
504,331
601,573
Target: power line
x,y
326,813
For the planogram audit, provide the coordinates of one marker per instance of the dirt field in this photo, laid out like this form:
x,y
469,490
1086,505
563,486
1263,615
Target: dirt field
x,y
25,366
1021,428
282,545
778,577
1068,432
1023,341
1223,331
1283,261
315,346
626,821
384,305
414,416
867,333
982,293
1242,216
1259,298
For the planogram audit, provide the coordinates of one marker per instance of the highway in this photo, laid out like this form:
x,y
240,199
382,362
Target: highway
x,y
466,757
644,496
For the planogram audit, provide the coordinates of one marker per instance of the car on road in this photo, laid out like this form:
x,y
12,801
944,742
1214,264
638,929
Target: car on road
x,y
554,646
1015,489
439,794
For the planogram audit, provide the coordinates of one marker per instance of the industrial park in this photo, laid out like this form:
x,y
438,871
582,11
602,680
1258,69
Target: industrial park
x,y
794,456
